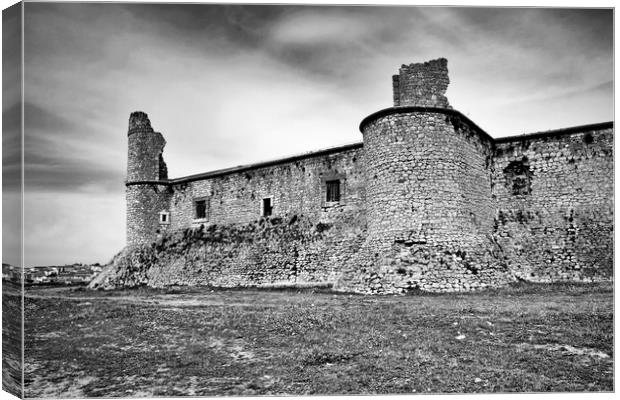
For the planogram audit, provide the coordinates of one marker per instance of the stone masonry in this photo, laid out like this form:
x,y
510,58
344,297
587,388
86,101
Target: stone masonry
x,y
428,201
422,84
554,194
146,179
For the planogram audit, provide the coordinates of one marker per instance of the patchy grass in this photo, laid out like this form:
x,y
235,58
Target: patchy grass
x,y
12,338
205,342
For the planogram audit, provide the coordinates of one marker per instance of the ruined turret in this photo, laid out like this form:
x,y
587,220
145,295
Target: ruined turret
x,y
423,84
147,188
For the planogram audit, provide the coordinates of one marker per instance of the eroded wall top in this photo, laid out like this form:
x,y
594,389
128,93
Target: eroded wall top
x,y
422,84
145,147
139,122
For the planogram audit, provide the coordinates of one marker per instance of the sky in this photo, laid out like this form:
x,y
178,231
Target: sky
x,y
229,85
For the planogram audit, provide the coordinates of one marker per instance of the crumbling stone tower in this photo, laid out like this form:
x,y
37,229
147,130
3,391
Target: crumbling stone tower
x,y
147,190
428,189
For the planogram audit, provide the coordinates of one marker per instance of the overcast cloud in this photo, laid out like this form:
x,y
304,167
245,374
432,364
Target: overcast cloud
x,y
230,85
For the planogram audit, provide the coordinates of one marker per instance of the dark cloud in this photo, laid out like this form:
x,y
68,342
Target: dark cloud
x,y
332,42
51,164
11,146
46,174
38,118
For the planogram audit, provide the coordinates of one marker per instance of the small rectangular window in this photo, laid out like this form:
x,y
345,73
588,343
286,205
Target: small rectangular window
x,y
201,209
267,207
164,217
333,191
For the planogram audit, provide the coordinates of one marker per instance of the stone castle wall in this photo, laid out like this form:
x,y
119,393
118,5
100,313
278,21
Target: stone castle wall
x,y
298,250
272,252
555,204
305,240
294,187
428,201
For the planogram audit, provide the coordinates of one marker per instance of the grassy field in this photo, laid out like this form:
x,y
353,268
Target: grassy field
x,y
252,342
12,338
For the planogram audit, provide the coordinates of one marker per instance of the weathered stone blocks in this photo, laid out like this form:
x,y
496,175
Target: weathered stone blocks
x,y
561,227
147,191
271,251
423,84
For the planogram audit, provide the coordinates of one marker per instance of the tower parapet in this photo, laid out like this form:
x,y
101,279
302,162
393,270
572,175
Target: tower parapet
x,y
139,122
422,84
145,160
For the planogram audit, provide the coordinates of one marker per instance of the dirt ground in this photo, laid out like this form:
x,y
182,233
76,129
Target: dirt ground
x,y
206,342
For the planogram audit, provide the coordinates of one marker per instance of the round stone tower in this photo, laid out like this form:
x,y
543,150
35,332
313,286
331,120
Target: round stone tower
x,y
147,189
430,211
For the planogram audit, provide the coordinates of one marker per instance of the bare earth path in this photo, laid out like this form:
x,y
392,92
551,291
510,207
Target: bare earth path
x,y
246,342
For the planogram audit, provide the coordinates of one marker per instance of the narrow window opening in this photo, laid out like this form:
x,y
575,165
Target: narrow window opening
x,y
201,209
164,217
267,207
333,191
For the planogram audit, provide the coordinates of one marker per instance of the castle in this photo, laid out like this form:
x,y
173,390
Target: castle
x,y
427,201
